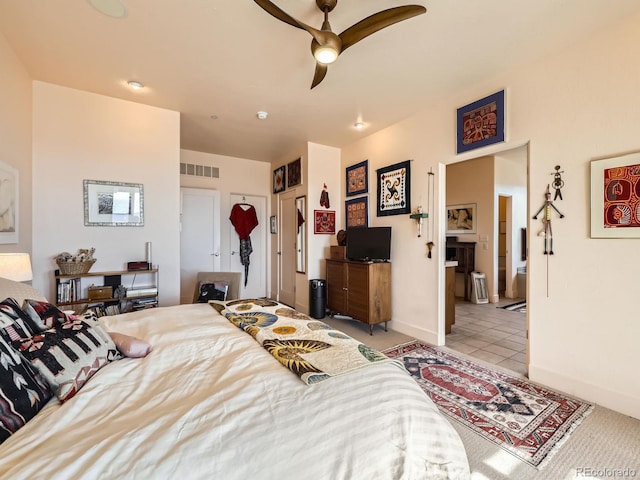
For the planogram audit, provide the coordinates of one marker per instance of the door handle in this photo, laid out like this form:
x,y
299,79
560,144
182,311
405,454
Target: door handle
x,y
216,254
233,252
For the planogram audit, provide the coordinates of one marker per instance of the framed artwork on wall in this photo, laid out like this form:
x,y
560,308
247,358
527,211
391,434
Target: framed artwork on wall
x,y
114,204
357,179
394,189
615,197
273,224
480,123
356,212
461,219
8,204
279,177
294,173
324,221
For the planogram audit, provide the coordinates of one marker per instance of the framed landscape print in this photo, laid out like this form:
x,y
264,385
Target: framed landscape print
x,y
481,123
279,177
113,204
356,212
394,189
461,219
357,178
615,197
324,221
294,173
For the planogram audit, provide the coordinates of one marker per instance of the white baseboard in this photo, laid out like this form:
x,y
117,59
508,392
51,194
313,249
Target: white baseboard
x,y
416,332
618,401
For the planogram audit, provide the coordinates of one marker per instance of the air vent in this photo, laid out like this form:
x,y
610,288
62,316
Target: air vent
x,y
199,170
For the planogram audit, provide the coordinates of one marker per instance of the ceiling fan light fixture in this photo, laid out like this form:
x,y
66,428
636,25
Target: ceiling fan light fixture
x,y
326,55
262,115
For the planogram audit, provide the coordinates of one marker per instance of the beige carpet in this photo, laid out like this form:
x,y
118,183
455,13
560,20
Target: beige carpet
x,y
605,445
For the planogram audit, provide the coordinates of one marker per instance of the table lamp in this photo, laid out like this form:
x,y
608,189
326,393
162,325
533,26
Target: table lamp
x,y
16,267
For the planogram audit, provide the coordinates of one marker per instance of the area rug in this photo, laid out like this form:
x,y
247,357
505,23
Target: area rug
x,y
516,307
525,419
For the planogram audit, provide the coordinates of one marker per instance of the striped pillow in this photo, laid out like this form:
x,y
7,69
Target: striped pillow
x,y
69,354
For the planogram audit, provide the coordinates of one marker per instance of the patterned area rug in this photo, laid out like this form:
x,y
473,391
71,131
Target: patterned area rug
x,y
527,420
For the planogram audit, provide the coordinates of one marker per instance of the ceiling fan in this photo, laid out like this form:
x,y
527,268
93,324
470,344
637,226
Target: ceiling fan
x,y
326,45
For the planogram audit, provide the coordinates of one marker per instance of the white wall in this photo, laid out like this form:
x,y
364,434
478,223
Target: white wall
x,y
577,105
15,137
237,176
79,135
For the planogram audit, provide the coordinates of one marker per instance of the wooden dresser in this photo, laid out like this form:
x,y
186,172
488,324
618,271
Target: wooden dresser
x,y
361,290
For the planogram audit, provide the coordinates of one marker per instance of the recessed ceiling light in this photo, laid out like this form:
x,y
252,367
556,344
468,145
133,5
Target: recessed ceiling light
x,y
214,117
135,84
358,125
262,115
111,8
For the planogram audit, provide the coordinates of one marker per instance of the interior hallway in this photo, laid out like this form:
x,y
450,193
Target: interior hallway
x,y
491,334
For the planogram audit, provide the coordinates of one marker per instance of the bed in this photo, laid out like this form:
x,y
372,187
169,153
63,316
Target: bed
x,y
210,402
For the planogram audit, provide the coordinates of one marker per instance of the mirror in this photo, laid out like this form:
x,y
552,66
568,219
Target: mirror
x,y
301,212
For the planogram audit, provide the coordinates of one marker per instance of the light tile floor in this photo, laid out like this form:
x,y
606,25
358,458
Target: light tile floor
x,y
491,334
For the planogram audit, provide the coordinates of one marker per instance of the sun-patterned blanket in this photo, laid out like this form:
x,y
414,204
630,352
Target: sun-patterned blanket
x,y
310,348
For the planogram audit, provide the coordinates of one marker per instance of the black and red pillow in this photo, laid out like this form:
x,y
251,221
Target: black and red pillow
x,y
23,392
44,314
14,323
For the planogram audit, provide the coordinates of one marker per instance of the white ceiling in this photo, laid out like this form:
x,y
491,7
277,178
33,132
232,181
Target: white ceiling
x,y
231,59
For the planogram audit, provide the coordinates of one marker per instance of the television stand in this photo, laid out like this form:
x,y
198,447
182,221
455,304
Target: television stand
x,y
360,290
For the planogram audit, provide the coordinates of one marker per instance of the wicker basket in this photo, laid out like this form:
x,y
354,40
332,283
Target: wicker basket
x,y
75,268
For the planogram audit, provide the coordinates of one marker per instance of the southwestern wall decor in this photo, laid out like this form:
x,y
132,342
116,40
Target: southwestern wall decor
x,y
615,197
324,221
357,177
481,123
294,173
356,212
279,177
394,189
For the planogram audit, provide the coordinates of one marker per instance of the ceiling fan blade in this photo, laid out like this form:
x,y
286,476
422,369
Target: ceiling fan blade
x,y
321,72
280,14
378,21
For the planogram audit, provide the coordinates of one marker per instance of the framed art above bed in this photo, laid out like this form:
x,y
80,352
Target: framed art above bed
x,y
113,204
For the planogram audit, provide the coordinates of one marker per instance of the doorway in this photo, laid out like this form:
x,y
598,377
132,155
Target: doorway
x,y
199,237
497,184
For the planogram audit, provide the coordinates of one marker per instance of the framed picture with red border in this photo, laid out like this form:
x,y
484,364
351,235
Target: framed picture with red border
x,y
324,221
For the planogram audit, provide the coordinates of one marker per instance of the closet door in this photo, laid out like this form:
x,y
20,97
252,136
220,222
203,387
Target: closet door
x,y
287,248
199,237
257,278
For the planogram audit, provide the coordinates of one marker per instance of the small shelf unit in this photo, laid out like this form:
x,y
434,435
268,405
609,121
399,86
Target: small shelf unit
x,y
76,296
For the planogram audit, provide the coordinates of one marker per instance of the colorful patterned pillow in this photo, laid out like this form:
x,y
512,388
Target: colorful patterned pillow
x,y
68,355
43,314
14,323
22,391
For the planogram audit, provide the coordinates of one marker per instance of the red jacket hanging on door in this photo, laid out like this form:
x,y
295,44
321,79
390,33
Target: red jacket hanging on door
x,y
244,221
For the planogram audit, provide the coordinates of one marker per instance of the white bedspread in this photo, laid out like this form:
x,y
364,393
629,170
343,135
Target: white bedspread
x,y
198,408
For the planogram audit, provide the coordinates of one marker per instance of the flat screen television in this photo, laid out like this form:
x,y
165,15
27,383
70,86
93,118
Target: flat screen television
x,y
369,243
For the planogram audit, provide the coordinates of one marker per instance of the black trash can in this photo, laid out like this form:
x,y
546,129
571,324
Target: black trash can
x,y
317,298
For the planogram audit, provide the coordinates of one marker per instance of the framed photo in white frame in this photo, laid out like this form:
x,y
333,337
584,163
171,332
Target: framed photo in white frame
x,y
9,211
113,204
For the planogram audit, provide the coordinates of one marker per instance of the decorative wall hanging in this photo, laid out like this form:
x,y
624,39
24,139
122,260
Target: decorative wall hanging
x,y
615,197
324,221
294,173
356,212
279,177
324,197
461,219
481,123
547,206
357,178
394,189
113,204
558,183
244,219
8,204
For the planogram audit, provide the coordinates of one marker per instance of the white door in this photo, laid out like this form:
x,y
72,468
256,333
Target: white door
x,y
256,281
199,237
287,248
